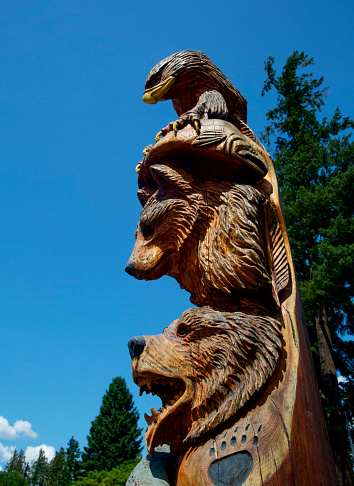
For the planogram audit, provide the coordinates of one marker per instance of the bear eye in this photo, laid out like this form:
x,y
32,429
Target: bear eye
x,y
182,331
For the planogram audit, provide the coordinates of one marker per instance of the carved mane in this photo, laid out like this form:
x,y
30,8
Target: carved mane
x,y
232,250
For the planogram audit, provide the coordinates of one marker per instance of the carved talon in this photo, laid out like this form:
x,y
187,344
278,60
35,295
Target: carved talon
x,y
176,126
159,136
148,148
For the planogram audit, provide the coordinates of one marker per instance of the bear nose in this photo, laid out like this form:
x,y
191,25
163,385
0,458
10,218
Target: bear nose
x,y
136,346
130,268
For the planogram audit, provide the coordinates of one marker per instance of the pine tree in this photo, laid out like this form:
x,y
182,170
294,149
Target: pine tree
x,y
58,471
18,465
73,454
314,162
114,435
40,471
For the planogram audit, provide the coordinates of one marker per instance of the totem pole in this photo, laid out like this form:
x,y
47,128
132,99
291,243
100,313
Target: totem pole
x,y
240,403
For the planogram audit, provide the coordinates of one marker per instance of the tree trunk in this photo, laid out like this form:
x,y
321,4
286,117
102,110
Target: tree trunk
x,y
331,401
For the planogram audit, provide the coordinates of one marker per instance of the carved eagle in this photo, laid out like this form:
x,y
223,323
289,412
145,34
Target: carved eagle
x,y
198,89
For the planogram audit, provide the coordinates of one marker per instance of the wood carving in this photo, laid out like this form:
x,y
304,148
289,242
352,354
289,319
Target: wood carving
x,y
205,366
240,403
220,228
198,89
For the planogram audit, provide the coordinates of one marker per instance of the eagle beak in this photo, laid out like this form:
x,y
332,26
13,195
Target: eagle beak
x,y
153,95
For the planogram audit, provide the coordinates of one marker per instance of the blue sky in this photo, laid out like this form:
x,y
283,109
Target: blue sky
x,y
73,128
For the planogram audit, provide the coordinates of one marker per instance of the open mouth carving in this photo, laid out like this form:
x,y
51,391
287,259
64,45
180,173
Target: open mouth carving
x,y
169,390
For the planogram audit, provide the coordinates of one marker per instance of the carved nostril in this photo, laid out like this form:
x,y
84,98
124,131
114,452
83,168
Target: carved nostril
x,y
130,269
136,346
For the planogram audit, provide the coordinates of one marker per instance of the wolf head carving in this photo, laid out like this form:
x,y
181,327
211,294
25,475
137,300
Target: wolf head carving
x,y
206,235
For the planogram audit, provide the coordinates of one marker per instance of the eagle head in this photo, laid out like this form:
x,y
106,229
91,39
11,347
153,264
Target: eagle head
x,y
167,78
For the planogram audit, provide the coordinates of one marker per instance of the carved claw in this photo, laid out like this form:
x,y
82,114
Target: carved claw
x,y
148,148
159,136
179,124
176,126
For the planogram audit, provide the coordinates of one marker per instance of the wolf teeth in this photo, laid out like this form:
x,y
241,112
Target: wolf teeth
x,y
154,414
148,419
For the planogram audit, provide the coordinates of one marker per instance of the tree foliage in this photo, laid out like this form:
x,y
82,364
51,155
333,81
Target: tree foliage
x,y
113,450
58,471
116,477
12,479
18,466
114,435
39,471
73,454
314,163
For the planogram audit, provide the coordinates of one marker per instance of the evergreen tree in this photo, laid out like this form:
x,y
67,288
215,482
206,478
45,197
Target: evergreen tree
x,y
114,435
58,471
18,465
73,454
40,471
12,479
314,162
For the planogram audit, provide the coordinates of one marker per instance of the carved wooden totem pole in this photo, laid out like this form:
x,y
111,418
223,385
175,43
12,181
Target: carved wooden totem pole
x,y
240,404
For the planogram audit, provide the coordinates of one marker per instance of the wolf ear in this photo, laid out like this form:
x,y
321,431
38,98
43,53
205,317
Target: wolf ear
x,y
144,195
167,178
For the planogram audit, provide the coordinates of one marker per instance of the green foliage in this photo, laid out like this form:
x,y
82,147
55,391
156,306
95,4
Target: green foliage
x,y
58,472
314,162
12,479
114,435
73,454
113,450
116,477
39,471
18,466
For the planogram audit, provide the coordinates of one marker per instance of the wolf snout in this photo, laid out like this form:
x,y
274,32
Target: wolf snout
x,y
134,272
130,268
136,346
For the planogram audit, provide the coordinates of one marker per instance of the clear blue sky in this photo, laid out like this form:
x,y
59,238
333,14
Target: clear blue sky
x,y
73,127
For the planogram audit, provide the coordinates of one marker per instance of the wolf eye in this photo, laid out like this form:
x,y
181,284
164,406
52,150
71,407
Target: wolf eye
x,y
146,229
182,331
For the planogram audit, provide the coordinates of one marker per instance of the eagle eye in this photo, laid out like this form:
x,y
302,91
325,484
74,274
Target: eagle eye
x,y
153,81
182,330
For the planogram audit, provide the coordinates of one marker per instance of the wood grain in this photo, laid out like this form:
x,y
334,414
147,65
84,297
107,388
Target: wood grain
x,y
212,219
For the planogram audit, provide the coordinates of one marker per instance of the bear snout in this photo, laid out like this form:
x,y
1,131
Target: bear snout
x,y
136,346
